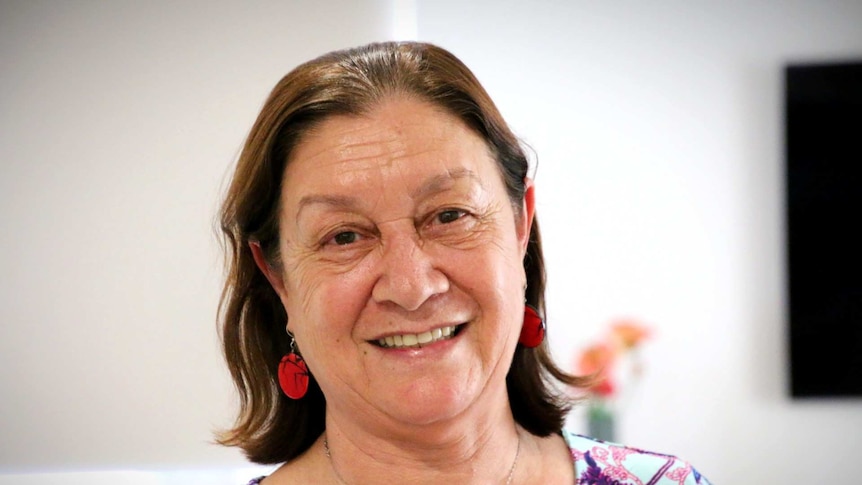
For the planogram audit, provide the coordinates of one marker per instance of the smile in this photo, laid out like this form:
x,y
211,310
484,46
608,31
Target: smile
x,y
419,339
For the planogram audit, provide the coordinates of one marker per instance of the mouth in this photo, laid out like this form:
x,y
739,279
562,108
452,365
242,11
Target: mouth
x,y
419,340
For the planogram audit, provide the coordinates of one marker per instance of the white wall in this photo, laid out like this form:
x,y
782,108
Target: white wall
x,y
118,122
658,132
659,138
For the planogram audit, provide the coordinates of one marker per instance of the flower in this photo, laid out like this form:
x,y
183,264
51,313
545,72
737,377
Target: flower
x,y
629,333
599,360
602,363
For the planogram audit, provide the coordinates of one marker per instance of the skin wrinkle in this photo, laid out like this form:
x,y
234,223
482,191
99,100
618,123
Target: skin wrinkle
x,y
354,144
348,140
435,185
431,461
353,208
475,237
406,272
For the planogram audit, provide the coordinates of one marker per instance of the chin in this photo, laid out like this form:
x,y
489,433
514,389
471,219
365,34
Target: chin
x,y
423,405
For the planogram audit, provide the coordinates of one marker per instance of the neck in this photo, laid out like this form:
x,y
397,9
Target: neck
x,y
481,449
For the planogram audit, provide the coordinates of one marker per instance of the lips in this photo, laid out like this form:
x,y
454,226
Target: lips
x,y
417,340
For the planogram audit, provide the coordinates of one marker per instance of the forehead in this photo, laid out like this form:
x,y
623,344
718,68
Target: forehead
x,y
402,141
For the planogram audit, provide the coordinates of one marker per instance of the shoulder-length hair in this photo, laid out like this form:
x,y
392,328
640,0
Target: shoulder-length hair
x,y
270,427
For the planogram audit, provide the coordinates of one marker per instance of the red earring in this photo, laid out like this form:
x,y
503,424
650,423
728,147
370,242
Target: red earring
x,y
293,373
533,330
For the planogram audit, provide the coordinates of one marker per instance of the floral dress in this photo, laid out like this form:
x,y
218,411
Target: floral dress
x,y
601,463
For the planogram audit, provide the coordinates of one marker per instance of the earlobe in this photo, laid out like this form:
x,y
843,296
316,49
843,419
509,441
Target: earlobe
x,y
271,274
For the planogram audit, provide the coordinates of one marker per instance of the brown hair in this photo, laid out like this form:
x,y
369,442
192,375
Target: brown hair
x,y
271,428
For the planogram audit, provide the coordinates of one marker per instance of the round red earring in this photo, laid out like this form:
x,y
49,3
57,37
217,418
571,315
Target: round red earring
x,y
293,373
533,330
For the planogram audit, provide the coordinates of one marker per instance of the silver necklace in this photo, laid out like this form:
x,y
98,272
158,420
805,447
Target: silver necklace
x,y
338,475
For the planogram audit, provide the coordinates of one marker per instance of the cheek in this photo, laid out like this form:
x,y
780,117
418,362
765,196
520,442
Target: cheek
x,y
493,275
324,310
324,301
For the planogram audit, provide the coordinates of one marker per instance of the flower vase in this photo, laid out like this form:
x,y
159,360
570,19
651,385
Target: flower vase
x,y
600,421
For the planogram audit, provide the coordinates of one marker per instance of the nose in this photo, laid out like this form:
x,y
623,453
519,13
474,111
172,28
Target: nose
x,y
409,277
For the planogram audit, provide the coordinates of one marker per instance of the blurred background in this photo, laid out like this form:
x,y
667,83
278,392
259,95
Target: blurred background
x,y
657,128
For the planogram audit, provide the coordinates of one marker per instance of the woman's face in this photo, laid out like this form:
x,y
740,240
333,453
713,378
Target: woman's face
x,y
402,264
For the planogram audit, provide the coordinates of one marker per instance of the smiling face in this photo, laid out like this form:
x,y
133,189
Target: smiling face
x,y
402,264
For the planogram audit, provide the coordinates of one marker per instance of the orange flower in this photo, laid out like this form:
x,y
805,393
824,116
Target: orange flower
x,y
597,361
629,333
597,358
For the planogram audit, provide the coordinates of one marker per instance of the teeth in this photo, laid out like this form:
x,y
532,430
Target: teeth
x,y
424,338
417,340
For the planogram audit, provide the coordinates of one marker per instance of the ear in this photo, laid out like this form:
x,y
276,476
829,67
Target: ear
x,y
528,211
271,273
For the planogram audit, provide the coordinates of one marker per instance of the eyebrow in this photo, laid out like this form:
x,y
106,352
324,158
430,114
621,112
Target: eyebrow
x,y
435,184
443,181
336,201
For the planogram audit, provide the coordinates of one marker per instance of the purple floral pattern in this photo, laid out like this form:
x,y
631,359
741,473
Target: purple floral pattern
x,y
601,463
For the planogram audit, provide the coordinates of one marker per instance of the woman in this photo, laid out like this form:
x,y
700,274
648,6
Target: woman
x,y
383,244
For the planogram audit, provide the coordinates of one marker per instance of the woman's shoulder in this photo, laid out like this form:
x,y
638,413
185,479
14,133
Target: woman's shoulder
x,y
613,464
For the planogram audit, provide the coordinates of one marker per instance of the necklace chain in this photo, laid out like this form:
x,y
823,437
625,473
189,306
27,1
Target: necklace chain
x,y
328,454
514,462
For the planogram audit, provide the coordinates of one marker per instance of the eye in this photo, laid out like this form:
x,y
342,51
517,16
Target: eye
x,y
450,215
344,238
